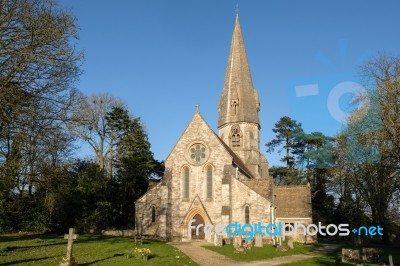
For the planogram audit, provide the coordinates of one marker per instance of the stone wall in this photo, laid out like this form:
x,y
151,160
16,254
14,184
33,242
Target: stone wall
x,y
143,213
127,233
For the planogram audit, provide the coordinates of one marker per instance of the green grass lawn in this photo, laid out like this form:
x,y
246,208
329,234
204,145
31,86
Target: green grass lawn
x,y
330,259
265,252
318,261
88,250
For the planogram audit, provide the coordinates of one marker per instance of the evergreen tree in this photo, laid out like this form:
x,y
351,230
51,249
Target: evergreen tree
x,y
134,162
288,132
288,137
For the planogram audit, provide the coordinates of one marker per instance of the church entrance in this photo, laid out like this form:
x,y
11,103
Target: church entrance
x,y
199,220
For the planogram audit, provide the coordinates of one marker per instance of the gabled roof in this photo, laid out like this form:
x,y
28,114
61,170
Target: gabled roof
x,y
235,158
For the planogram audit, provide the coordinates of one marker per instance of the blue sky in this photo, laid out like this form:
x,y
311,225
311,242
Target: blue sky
x,y
163,57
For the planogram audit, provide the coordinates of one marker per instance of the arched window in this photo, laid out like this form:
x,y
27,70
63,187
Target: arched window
x,y
209,182
186,182
247,214
235,106
153,214
235,136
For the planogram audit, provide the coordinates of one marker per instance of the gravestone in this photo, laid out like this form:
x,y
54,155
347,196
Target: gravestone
x,y
237,241
69,260
290,244
370,255
218,241
138,240
391,260
258,241
350,255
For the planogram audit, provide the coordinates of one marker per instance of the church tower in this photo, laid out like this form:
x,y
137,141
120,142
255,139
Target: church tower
x,y
239,106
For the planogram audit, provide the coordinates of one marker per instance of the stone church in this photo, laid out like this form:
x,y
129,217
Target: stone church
x,y
221,178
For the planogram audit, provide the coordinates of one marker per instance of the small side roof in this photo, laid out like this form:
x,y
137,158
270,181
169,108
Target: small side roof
x,y
264,187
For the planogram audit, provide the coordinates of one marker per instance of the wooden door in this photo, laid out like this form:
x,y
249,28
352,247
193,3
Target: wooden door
x,y
199,220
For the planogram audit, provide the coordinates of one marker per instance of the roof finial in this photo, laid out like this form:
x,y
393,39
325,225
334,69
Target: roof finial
x,y
237,9
197,108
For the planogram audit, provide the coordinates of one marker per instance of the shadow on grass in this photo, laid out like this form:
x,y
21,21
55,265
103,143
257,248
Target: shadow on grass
x,y
27,260
21,248
96,261
330,261
11,238
93,238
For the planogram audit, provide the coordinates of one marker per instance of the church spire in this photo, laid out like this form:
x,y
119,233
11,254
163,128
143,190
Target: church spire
x,y
239,100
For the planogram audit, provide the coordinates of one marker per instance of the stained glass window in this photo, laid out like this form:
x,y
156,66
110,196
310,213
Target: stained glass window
x,y
198,153
186,183
209,182
153,214
247,214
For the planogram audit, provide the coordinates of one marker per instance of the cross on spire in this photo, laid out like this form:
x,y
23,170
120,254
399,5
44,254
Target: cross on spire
x,y
237,9
197,108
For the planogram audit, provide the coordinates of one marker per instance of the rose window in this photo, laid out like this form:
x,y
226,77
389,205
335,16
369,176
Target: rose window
x,y
198,153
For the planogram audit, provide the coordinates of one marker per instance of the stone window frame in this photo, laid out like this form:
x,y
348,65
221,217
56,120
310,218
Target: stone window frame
x,y
185,174
204,150
287,229
247,214
236,136
153,214
235,106
209,192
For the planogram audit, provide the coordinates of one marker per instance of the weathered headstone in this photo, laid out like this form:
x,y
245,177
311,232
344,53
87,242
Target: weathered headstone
x,y
69,260
290,244
370,255
258,241
218,241
138,240
350,255
391,260
237,241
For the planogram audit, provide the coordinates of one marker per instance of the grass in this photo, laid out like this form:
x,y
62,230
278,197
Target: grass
x,y
256,253
330,259
87,250
318,261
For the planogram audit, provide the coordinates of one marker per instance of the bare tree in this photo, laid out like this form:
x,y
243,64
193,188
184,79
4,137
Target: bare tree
x,y
371,155
38,67
37,59
90,124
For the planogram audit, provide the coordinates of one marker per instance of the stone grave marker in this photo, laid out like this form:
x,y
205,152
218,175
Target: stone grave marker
x,y
237,241
69,260
218,240
258,241
350,255
391,260
370,255
290,244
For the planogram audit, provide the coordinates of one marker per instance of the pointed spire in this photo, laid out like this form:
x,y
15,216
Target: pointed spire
x,y
238,102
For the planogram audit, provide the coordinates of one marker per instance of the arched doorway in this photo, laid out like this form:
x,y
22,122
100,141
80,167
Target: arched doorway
x,y
199,220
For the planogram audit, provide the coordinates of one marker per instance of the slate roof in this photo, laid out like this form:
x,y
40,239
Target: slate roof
x,y
264,187
238,85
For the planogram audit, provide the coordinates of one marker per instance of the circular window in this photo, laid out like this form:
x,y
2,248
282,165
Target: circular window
x,y
197,153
